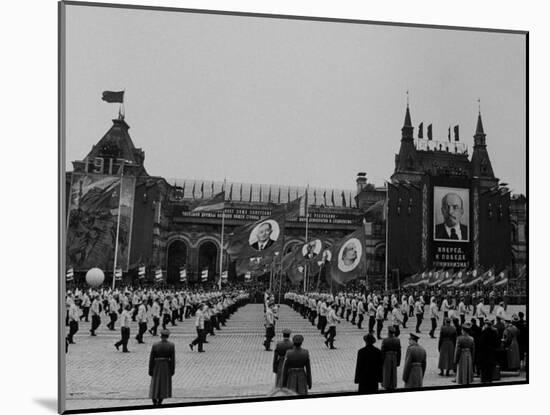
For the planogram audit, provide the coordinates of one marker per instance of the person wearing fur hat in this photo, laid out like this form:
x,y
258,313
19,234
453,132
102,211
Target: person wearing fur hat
x,y
464,356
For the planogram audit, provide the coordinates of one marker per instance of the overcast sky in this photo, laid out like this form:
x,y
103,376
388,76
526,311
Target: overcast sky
x,y
288,102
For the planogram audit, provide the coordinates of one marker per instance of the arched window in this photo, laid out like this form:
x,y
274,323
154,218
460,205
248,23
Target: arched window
x,y
176,258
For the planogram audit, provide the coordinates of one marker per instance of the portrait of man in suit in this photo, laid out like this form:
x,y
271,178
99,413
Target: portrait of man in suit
x,y
311,249
452,211
263,236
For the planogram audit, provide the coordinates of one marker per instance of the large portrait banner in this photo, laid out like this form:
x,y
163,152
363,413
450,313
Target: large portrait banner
x,y
92,221
451,227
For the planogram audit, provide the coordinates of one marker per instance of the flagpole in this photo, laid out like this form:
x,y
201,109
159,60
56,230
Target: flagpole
x,y
118,223
221,238
387,247
307,223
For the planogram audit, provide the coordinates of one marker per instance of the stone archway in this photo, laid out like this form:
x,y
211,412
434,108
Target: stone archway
x,y
177,254
208,255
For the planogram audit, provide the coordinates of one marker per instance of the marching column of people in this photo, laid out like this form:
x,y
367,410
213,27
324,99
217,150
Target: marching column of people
x,y
465,348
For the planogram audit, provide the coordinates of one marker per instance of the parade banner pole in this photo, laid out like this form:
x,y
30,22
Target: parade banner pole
x,y
118,222
221,242
386,210
307,223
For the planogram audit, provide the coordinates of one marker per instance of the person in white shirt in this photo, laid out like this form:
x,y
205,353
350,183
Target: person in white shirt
x,y
396,319
481,313
379,320
371,310
125,319
199,326
500,312
74,318
96,310
141,318
360,313
155,315
332,319
433,316
462,311
419,312
445,307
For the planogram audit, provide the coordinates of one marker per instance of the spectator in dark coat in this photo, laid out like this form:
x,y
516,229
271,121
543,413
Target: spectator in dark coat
x,y
415,363
368,371
162,365
446,347
464,356
523,335
488,345
297,368
391,351
475,332
279,357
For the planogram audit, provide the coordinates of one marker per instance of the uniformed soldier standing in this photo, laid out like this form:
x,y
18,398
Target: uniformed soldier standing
x,y
415,363
125,319
162,365
391,351
279,357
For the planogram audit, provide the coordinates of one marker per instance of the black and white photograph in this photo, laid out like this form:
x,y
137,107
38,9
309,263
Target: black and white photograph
x,y
266,207
451,214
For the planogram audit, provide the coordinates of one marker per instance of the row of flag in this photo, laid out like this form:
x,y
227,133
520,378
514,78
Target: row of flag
x,y
459,279
324,199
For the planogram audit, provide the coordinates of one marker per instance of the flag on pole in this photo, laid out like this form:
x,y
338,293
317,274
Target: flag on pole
x,y
447,279
70,274
488,277
204,275
502,278
112,96
118,274
215,203
141,271
477,277
183,274
437,277
412,280
158,275
349,261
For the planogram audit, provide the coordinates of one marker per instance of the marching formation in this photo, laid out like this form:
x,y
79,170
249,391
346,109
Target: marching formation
x,y
469,343
152,308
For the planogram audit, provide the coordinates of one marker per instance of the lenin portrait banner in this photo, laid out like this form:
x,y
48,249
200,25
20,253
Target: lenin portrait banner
x,y
92,221
451,227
